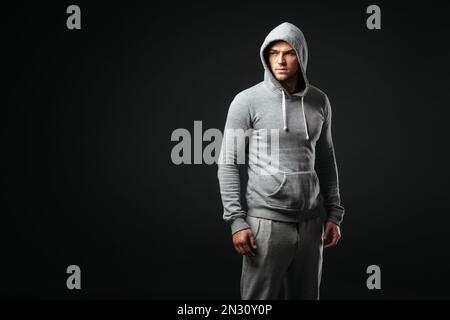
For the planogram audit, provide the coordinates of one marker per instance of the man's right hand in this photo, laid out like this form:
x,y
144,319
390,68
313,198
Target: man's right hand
x,y
244,242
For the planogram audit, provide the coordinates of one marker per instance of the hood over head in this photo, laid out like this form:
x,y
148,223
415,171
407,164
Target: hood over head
x,y
294,36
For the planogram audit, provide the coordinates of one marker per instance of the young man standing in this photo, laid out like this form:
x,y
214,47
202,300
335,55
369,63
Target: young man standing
x,y
282,233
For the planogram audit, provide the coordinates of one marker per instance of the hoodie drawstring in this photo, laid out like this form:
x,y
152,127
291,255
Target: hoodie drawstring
x,y
283,107
304,119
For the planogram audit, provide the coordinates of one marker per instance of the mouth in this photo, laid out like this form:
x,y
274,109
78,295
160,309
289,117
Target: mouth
x,y
281,70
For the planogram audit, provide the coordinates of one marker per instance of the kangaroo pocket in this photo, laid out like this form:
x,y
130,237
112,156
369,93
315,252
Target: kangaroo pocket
x,y
292,190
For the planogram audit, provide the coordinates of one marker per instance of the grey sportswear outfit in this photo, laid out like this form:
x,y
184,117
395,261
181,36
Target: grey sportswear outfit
x,y
292,190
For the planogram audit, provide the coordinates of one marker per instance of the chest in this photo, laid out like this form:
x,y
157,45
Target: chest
x,y
270,116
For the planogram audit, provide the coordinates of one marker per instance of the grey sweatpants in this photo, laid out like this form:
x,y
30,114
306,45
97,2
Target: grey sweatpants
x,y
288,255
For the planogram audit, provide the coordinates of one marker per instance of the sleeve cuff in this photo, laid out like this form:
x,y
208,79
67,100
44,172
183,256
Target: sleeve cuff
x,y
238,224
335,219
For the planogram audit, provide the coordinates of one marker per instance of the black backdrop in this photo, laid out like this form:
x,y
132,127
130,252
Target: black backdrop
x,y
87,120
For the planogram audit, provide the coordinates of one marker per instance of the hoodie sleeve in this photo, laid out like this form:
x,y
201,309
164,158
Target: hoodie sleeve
x,y
327,172
232,151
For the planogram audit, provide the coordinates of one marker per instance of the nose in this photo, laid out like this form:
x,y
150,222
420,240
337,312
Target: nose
x,y
280,58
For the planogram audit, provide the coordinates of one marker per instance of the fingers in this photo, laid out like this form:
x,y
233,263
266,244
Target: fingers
x,y
244,243
253,241
238,249
332,244
326,233
244,249
247,250
334,240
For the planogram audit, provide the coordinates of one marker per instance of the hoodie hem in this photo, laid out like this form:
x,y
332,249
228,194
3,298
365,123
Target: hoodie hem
x,y
264,211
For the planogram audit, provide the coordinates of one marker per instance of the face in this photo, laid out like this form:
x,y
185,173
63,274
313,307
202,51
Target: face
x,y
283,61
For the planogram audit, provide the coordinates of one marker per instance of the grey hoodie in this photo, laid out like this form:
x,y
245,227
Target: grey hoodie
x,y
286,184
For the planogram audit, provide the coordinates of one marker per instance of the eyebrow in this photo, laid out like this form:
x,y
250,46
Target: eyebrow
x,y
288,51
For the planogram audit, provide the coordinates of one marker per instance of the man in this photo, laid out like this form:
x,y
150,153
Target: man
x,y
282,232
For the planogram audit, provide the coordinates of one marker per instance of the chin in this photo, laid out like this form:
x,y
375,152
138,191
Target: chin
x,y
282,77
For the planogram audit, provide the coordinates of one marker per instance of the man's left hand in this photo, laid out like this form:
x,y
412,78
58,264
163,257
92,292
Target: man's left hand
x,y
331,235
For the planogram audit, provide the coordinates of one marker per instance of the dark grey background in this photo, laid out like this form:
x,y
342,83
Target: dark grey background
x,y
88,178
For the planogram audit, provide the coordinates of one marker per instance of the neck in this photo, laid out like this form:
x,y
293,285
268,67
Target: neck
x,y
290,84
